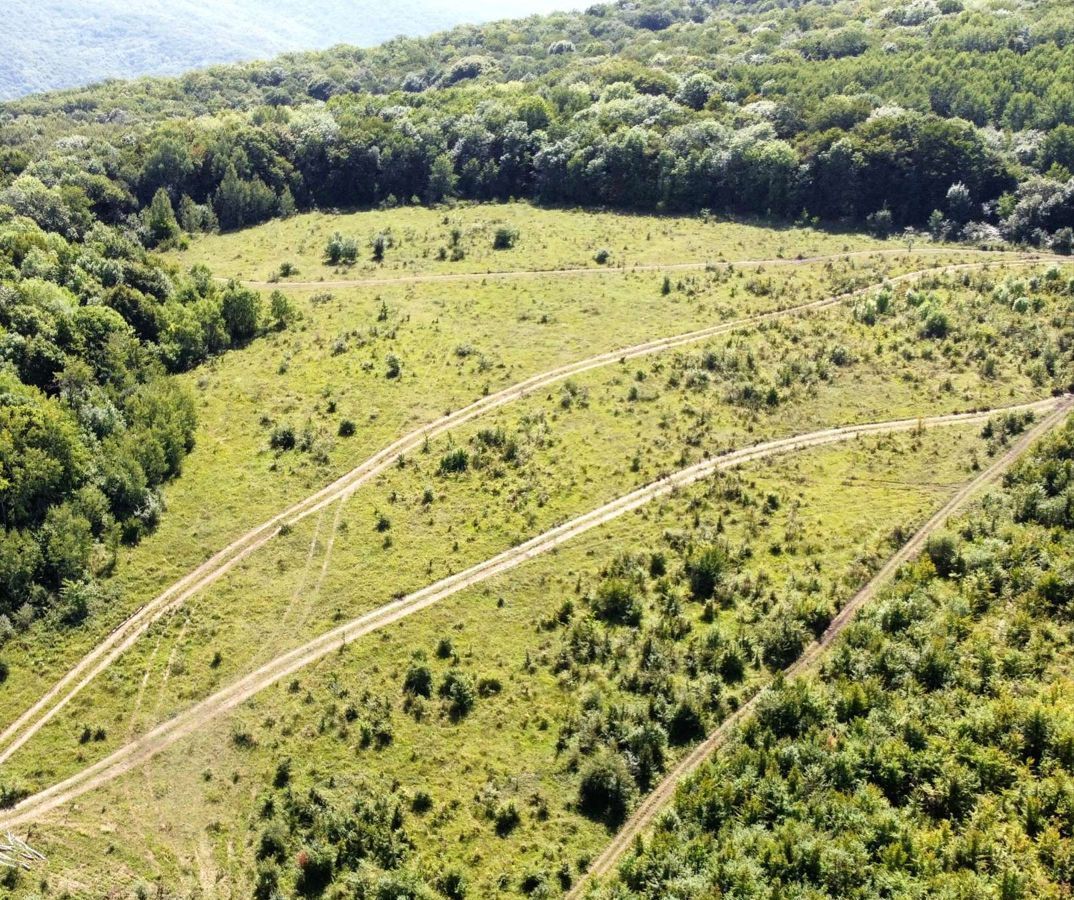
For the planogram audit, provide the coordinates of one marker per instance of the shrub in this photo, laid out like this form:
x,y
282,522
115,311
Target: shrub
x,y
606,791
783,641
340,250
314,871
880,223
421,802
705,572
615,601
452,885
687,723
602,256
380,242
791,708
507,818
457,689
268,881
282,437
282,776
273,843
418,681
942,549
936,325
280,309
394,366
346,428
457,460
504,238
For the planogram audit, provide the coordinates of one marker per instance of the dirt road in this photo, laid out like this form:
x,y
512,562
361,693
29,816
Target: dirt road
x,y
130,630
449,277
664,793
168,733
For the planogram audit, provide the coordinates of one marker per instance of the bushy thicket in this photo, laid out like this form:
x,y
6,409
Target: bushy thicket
x,y
922,113
934,754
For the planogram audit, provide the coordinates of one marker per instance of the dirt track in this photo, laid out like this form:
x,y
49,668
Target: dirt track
x,y
448,277
664,792
127,633
168,733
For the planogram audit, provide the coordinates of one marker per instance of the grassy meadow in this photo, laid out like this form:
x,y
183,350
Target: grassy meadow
x,y
492,793
546,239
839,508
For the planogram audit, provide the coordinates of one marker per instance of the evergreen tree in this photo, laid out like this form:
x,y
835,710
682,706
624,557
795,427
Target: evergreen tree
x,y
160,219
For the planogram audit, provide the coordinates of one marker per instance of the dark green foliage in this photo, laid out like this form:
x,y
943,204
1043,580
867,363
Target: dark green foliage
x,y
452,885
333,828
705,571
160,219
504,238
616,601
457,460
687,722
506,817
606,790
340,250
859,112
942,549
418,681
241,311
459,692
282,437
935,735
783,642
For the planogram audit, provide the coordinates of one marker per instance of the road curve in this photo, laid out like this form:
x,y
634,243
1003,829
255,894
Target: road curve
x,y
664,793
127,633
448,277
166,734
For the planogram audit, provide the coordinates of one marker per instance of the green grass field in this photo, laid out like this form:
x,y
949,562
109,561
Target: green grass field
x,y
547,239
388,359
841,506
455,342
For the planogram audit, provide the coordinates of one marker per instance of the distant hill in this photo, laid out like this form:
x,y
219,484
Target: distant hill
x,y
49,44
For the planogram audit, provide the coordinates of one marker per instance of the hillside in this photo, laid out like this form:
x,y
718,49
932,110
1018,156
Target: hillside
x,y
428,469
58,43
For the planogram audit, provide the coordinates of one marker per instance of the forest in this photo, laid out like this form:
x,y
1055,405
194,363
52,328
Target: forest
x,y
925,115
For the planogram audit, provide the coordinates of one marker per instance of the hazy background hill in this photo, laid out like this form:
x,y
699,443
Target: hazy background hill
x,y
48,44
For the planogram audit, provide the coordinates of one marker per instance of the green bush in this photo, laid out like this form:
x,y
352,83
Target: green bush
x,y
504,238
458,690
454,461
616,601
606,790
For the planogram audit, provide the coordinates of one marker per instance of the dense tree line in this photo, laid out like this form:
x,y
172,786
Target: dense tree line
x,y
90,424
914,115
933,755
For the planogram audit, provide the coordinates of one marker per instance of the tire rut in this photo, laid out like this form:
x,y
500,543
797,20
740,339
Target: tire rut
x,y
639,268
168,733
664,793
27,724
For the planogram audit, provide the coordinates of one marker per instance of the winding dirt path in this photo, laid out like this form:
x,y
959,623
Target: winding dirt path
x,y
131,629
449,277
168,733
664,793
